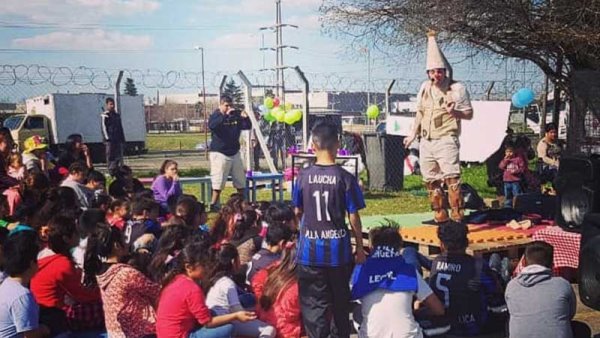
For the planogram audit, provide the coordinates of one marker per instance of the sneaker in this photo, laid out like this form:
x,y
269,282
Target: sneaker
x,y
214,208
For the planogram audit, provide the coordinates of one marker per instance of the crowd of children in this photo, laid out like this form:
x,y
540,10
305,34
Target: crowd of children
x,y
81,260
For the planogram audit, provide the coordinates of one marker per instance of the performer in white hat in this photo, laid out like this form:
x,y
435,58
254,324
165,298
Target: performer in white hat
x,y
441,105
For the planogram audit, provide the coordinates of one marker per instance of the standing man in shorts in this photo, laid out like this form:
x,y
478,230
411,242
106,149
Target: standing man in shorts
x,y
226,125
441,105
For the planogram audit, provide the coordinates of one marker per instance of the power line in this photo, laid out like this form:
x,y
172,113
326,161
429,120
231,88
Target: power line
x,y
93,26
278,49
93,51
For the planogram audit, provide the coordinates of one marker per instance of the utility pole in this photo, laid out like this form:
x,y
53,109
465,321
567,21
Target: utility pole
x,y
368,76
201,49
278,49
367,52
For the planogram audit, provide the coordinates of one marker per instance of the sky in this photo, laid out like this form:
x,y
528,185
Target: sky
x,y
163,34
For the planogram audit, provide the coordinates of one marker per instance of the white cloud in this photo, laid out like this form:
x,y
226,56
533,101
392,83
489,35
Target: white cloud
x,y
236,41
119,6
309,22
302,3
259,7
72,11
96,40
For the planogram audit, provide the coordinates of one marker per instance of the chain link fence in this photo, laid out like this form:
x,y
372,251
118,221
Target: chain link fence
x,y
174,100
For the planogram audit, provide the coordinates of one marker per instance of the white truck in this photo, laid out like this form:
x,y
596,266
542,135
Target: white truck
x,y
56,116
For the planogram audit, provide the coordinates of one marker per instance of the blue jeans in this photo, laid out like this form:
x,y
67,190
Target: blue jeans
x,y
223,331
511,190
247,300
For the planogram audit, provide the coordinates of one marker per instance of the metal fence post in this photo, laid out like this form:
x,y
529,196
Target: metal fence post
x,y
388,94
305,108
255,126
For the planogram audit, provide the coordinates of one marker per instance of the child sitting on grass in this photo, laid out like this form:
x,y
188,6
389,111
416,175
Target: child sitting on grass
x,y
223,296
19,312
182,310
386,285
465,284
539,304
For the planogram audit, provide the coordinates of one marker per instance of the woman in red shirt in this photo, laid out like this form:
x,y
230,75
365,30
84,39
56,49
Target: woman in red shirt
x,y
182,310
276,289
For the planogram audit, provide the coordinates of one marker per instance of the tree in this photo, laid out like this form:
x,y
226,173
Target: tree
x,y
235,92
561,37
130,88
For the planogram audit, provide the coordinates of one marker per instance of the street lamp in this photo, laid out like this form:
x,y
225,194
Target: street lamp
x,y
367,51
204,102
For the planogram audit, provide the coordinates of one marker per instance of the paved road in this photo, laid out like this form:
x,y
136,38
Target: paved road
x,y
152,162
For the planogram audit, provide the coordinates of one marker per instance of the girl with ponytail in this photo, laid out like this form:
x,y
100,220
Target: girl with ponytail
x,y
224,295
128,297
276,288
182,306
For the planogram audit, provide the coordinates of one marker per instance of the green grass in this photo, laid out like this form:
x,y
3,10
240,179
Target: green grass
x,y
178,141
413,199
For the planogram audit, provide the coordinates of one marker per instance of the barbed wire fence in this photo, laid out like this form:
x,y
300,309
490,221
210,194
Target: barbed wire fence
x,y
20,81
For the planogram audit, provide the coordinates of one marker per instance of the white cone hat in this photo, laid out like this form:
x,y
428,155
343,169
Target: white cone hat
x,y
435,56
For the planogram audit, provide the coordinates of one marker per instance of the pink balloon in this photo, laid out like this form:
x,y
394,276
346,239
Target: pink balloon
x,y
276,102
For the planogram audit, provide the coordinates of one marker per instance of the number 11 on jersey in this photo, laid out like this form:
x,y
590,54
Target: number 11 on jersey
x,y
325,197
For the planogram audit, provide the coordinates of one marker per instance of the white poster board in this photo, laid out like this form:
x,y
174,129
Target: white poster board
x,y
480,137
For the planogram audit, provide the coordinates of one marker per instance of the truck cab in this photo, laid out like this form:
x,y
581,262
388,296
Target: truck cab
x,y
24,126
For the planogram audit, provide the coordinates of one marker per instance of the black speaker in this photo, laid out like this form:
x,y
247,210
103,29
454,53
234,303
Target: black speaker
x,y
536,203
589,261
578,190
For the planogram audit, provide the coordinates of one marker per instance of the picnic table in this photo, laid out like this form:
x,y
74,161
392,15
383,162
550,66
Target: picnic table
x,y
205,185
566,250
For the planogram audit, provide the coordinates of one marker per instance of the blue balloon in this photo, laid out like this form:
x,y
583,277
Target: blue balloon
x,y
523,97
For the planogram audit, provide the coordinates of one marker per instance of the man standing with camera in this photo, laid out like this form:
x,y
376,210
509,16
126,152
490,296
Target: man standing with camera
x,y
226,125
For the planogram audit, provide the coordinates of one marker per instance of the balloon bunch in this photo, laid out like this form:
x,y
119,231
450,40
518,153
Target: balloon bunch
x,y
273,111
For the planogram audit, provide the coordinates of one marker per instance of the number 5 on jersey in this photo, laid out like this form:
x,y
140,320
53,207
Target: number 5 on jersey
x,y
438,284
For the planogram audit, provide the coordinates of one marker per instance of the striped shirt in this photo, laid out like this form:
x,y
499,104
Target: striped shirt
x,y
326,194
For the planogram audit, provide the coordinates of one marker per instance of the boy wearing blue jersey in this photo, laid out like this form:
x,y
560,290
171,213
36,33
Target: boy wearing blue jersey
x,y
323,195
466,285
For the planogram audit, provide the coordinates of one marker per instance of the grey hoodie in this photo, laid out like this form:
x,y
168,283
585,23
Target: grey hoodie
x,y
539,304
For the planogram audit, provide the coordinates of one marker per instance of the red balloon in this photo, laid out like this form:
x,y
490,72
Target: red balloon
x,y
276,102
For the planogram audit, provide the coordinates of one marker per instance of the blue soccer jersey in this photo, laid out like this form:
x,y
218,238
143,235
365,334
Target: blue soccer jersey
x,y
326,194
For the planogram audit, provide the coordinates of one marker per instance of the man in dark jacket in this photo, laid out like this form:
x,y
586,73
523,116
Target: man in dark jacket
x,y
226,125
113,135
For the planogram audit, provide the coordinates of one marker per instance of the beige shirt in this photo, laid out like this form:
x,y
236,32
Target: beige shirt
x,y
431,102
548,152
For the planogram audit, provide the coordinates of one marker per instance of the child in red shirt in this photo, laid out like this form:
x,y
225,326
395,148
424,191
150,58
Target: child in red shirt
x,y
182,310
276,289
513,168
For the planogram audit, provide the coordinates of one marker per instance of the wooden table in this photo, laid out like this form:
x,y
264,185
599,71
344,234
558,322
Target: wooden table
x,y
483,239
